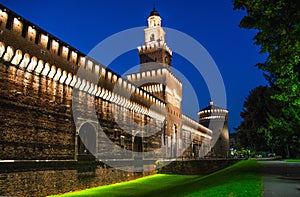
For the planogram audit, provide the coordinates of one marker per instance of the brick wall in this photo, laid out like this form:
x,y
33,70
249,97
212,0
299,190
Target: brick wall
x,y
42,179
194,167
35,118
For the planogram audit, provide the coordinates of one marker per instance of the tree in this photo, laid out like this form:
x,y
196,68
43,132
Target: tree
x,y
278,26
257,107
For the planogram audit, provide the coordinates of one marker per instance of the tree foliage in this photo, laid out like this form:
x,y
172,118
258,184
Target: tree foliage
x,y
278,33
257,106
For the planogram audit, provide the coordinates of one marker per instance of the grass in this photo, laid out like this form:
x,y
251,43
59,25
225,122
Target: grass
x,y
241,179
292,160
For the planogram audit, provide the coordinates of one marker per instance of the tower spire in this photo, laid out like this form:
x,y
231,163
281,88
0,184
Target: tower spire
x,y
155,49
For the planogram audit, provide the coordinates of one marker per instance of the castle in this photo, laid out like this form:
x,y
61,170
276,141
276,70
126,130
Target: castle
x,y
50,113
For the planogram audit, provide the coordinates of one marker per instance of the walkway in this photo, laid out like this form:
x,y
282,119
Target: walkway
x,y
281,179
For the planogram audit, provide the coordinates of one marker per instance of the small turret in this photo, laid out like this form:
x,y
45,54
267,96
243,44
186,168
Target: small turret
x,y
216,119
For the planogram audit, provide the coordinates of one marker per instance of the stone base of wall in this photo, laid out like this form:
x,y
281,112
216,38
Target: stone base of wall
x,y
33,178
195,167
48,178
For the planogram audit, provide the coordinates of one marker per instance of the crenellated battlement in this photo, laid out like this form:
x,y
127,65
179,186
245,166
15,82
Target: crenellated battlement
x,y
154,88
157,73
34,65
154,46
213,112
49,44
30,48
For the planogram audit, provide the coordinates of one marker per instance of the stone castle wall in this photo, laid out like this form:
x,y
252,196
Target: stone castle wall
x,y
35,117
196,167
50,178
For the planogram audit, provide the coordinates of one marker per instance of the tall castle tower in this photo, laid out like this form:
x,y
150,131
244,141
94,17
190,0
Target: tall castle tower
x,y
155,48
155,76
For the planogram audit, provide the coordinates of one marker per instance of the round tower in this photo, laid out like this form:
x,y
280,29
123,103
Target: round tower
x,y
216,119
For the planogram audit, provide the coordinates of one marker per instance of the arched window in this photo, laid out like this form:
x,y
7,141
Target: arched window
x,y
86,142
174,144
152,37
138,143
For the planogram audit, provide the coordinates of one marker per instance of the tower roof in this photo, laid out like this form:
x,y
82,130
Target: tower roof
x,y
211,106
154,12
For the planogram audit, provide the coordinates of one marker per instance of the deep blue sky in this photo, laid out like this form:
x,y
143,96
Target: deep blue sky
x,y
213,23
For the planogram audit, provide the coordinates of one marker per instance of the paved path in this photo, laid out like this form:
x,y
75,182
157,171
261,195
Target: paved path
x,y
281,179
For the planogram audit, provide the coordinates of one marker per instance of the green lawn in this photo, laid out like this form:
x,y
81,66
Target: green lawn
x,y
292,160
241,179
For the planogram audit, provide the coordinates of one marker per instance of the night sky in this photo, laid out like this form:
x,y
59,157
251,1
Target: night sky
x,y
213,23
